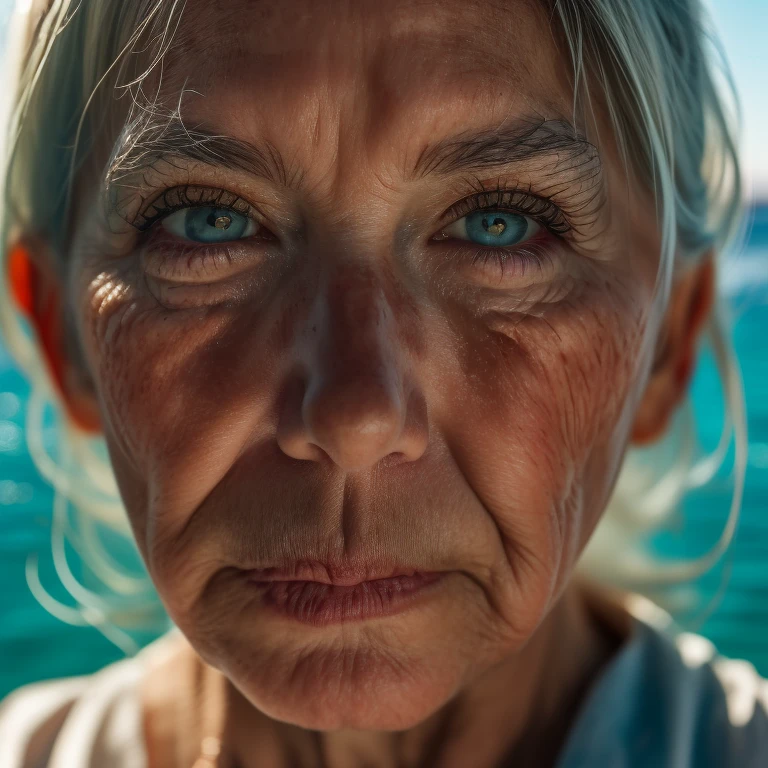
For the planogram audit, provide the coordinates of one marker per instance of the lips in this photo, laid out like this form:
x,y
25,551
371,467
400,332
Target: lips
x,y
319,604
341,575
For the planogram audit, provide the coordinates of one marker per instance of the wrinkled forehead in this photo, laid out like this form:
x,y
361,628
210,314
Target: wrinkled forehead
x,y
398,64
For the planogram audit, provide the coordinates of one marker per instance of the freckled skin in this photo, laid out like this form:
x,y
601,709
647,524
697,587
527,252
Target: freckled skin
x,y
350,398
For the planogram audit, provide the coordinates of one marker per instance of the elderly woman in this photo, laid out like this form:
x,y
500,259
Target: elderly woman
x,y
369,301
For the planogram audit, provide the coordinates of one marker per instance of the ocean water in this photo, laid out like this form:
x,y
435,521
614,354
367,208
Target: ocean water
x,y
35,645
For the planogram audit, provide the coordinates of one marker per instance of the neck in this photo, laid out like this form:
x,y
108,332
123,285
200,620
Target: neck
x,y
518,713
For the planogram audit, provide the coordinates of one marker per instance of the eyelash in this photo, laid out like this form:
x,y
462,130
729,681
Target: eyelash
x,y
517,201
208,196
530,253
540,209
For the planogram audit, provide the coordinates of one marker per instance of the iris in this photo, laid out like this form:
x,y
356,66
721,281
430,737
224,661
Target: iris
x,y
500,228
207,224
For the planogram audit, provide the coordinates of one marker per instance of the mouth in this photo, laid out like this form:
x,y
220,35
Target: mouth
x,y
317,594
340,575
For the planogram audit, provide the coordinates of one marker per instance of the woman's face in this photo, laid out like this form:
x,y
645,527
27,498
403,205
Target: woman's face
x,y
332,361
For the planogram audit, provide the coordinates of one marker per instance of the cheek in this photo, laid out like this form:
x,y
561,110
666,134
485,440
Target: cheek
x,y
546,411
169,382
534,410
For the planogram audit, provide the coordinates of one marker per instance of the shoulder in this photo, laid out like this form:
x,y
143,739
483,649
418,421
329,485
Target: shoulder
x,y
733,700
31,717
734,685
77,722
670,700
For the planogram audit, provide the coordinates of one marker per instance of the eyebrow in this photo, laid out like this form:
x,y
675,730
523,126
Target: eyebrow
x,y
521,140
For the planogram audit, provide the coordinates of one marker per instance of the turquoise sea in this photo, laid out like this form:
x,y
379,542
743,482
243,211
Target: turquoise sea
x,y
34,645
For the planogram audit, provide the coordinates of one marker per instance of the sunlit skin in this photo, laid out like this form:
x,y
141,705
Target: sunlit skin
x,y
347,385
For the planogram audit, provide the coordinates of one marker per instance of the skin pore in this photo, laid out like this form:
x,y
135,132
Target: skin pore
x,y
353,383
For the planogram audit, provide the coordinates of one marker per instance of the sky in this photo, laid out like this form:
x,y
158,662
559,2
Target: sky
x,y
743,29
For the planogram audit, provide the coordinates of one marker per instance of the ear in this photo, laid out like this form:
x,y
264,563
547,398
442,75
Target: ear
x,y
690,304
38,291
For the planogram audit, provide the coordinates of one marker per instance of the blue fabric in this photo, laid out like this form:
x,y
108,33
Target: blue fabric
x,y
651,707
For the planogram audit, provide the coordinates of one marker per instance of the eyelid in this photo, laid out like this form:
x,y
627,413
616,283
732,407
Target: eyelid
x,y
178,198
515,200
541,209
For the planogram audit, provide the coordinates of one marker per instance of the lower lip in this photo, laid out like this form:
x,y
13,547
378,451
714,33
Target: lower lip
x,y
318,604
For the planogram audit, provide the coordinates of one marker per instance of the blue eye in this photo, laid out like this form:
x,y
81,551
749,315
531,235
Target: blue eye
x,y
209,225
494,228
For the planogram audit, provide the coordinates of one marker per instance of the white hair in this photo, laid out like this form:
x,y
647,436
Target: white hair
x,y
673,108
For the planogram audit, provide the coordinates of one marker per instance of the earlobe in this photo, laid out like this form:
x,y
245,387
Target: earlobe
x,y
690,306
38,297
653,415
20,275
698,301
40,304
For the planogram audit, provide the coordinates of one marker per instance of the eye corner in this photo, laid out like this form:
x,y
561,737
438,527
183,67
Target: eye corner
x,y
440,235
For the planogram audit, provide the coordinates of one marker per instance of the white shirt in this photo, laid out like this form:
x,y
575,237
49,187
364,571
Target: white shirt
x,y
666,700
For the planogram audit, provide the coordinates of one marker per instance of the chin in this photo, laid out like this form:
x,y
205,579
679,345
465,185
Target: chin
x,y
384,675
361,688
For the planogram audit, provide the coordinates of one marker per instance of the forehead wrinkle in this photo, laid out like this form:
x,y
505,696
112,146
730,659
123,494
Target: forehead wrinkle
x,y
409,38
256,25
420,80
401,66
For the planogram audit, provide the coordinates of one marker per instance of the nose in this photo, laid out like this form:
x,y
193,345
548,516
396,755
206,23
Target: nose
x,y
356,403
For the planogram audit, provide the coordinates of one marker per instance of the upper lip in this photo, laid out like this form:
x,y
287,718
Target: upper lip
x,y
342,575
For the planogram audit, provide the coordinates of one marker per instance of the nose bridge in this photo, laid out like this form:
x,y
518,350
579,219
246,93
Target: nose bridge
x,y
356,374
355,403
357,324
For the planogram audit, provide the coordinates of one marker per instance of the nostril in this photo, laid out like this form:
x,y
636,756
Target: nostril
x,y
393,459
